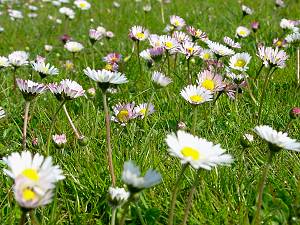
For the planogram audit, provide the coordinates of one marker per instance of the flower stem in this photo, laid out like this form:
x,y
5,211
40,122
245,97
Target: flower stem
x,y
188,71
258,72
189,201
14,77
23,218
54,117
138,56
108,139
140,214
298,66
195,112
162,11
113,216
174,195
26,111
33,218
125,210
168,59
147,108
77,134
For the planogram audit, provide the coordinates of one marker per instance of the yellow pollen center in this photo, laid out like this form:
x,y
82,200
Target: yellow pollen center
x,y
206,56
190,152
279,43
190,50
143,111
208,84
82,5
176,23
28,194
31,174
240,63
122,115
242,32
140,35
108,67
196,98
169,44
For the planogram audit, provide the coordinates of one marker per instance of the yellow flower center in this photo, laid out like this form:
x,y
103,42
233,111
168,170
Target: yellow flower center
x,y
169,44
208,84
108,67
143,111
176,23
28,194
122,115
31,174
45,70
196,98
206,56
82,5
190,152
240,63
140,35
190,50
198,33
242,32
279,43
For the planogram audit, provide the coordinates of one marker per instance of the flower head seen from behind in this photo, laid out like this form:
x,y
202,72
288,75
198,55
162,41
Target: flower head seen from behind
x,y
240,61
30,89
117,196
196,95
4,62
138,33
73,46
198,152
131,176
277,140
66,90
160,79
18,58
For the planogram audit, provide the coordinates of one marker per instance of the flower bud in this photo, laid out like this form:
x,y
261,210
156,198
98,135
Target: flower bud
x,y
295,113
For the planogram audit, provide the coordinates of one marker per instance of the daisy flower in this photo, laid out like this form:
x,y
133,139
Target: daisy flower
x,y
117,196
277,140
30,89
15,14
246,10
287,24
67,12
155,41
18,58
160,79
131,176
196,95
44,69
112,58
280,43
272,57
2,113
48,48
279,3
255,25
177,22
291,38
231,43
219,49
59,140
66,90
210,81
181,37
197,152
206,54
170,44
95,35
190,49
4,62
138,33
123,113
196,33
73,46
242,32
140,110
240,61
82,4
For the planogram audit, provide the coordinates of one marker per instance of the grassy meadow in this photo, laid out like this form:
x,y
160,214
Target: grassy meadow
x,y
226,194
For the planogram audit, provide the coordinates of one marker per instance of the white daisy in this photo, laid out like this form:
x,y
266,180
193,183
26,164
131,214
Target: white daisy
x,y
206,54
44,69
67,12
30,89
196,95
287,24
160,79
15,14
272,57
246,10
177,22
169,43
231,43
141,110
291,38
210,81
18,58
66,90
277,140
59,140
73,46
138,33
48,48
190,49
198,152
181,37
242,32
155,41
240,61
4,62
117,196
219,49
82,4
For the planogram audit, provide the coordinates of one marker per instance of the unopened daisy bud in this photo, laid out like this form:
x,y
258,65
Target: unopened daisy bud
x,y
35,141
295,113
117,196
246,140
65,38
91,92
48,48
59,140
255,26
181,126
83,141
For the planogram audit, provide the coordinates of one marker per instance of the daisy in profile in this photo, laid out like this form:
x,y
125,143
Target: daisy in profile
x,y
82,4
219,49
277,140
196,33
66,90
95,35
112,58
144,109
18,58
44,69
138,33
30,89
242,32
2,113
117,196
240,61
197,152
287,24
210,81
15,14
181,37
177,22
206,54
190,49
246,10
160,80
73,46
69,13
272,57
123,113
231,43
131,176
59,140
279,3
4,62
196,95
291,38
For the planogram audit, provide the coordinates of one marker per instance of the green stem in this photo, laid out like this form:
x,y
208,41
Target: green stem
x,y
23,218
195,112
147,108
139,59
26,111
298,66
33,218
77,134
189,201
108,139
54,117
162,11
261,186
140,214
14,77
125,210
113,217
174,195
188,71
168,59
258,72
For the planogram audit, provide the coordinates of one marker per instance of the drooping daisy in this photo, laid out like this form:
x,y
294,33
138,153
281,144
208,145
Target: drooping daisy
x,y
82,4
210,81
197,152
231,43
138,33
276,140
69,13
177,22
66,90
30,89
219,49
117,196
160,79
181,37
196,33
4,62
272,57
73,46
246,10
131,176
2,113
240,61
44,69
190,49
123,113
291,38
140,110
18,58
196,95
206,54
59,140
242,32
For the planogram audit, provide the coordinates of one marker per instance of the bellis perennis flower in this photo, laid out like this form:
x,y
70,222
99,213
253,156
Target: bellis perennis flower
x,y
117,196
73,46
240,61
30,89
4,62
44,69
196,95
66,90
138,33
18,58
272,57
160,79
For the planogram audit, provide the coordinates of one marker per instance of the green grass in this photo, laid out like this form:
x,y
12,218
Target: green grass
x,y
226,195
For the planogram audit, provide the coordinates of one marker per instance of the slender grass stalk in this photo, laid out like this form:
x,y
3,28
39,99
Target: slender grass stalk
x,y
33,218
288,125
189,201
54,117
195,112
125,211
113,216
76,132
140,214
259,71
147,108
23,217
162,11
26,112
168,59
265,85
175,61
261,187
188,71
108,139
174,195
